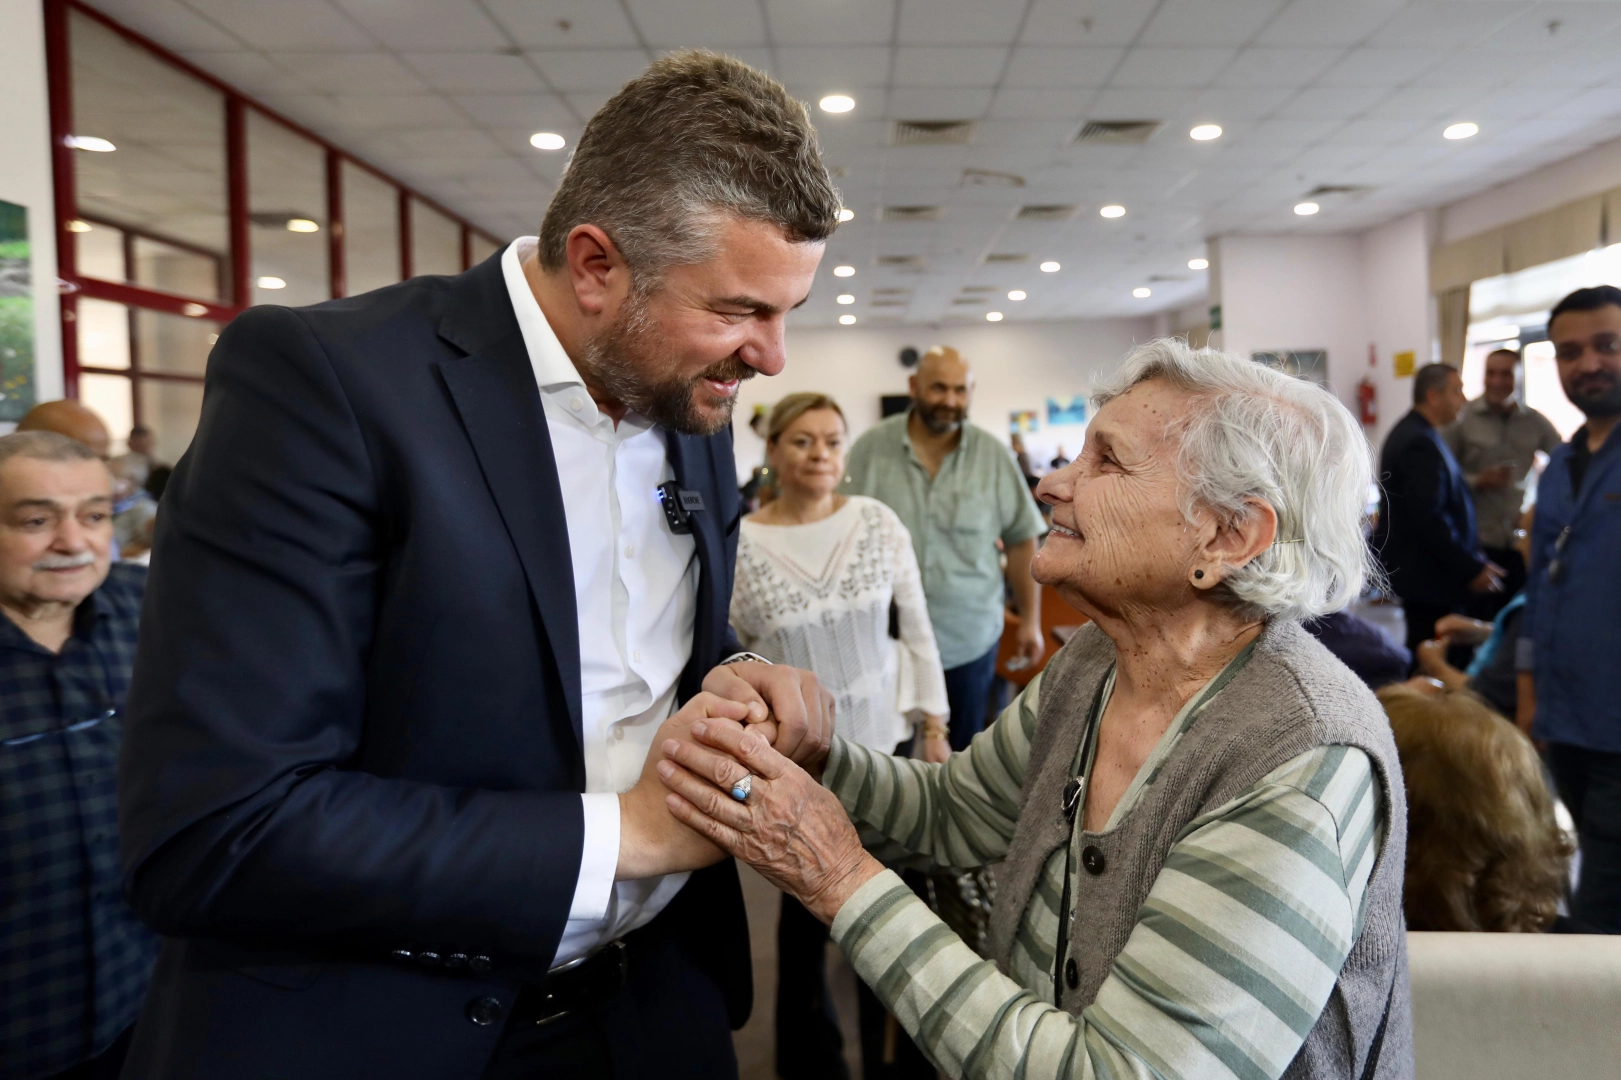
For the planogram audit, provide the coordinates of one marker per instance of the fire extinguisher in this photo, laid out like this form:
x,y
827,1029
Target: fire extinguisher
x,y
1367,399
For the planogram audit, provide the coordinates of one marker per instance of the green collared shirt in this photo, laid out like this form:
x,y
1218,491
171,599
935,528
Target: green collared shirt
x,y
955,520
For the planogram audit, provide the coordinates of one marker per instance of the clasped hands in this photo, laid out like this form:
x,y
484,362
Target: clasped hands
x,y
772,721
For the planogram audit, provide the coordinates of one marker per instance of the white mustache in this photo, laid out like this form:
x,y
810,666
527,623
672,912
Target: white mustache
x,y
65,562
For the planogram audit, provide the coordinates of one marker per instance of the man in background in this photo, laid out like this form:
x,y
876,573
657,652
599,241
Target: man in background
x,y
67,417
76,960
1572,634
1495,440
136,464
959,493
1426,534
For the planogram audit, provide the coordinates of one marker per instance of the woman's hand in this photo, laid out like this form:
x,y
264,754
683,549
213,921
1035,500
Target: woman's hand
x,y
936,748
791,829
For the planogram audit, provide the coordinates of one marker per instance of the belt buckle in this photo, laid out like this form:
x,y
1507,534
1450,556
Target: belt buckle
x,y
615,951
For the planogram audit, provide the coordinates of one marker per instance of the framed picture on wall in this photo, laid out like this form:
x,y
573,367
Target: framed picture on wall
x,y
16,314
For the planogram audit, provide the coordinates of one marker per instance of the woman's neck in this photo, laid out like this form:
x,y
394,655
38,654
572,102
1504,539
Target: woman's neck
x,y
799,507
1167,656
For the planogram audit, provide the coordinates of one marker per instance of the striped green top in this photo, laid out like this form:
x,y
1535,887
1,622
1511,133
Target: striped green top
x,y
1234,953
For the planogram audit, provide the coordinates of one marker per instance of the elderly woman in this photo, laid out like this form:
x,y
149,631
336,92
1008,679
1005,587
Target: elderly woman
x,y
1200,810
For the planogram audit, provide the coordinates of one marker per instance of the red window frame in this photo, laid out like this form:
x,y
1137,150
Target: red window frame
x,y
239,257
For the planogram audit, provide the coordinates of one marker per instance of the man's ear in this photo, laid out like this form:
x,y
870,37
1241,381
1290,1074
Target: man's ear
x,y
911,386
597,271
1235,543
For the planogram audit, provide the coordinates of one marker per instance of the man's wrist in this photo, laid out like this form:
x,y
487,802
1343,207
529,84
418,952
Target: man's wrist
x,y
825,905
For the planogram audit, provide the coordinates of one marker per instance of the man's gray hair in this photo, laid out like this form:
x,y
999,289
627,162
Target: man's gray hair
x,y
695,137
1256,433
44,446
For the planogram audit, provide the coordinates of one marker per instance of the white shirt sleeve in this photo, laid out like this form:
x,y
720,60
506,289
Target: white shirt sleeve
x,y
599,858
921,682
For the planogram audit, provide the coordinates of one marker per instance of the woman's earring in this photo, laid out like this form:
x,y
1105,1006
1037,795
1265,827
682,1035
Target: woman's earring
x,y
1199,574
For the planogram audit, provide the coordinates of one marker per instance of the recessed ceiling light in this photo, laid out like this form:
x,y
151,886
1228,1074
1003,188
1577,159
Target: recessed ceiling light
x,y
546,140
1050,267
837,103
78,226
1016,294
846,298
302,224
847,320
1113,210
91,143
844,271
1142,292
1306,209
270,282
846,214
993,316
1198,264
1461,131
196,311
1205,132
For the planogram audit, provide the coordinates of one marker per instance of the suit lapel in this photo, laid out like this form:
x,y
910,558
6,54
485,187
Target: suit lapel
x,y
689,459
493,388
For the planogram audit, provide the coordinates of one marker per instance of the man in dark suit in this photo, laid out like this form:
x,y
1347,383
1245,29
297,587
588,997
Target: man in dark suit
x,y
430,588
1426,535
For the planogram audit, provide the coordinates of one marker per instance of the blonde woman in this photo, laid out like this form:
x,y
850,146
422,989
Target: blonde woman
x,y
819,575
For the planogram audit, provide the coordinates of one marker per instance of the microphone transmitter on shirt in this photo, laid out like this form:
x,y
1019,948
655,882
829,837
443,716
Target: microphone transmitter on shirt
x,y
679,506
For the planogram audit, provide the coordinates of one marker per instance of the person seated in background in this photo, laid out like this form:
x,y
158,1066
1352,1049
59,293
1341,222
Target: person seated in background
x,y
1200,810
828,582
1363,646
1484,851
76,959
136,463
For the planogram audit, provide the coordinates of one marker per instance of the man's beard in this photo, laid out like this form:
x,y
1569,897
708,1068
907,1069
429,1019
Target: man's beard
x,y
630,363
1597,393
941,419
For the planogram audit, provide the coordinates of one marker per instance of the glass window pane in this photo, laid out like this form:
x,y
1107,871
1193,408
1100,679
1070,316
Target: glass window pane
x,y
174,269
173,343
371,230
483,248
164,176
171,410
436,241
287,205
103,334
99,251
108,396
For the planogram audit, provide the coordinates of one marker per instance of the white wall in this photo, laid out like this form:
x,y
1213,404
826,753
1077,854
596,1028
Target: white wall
x,y
1588,173
1016,366
25,173
1400,311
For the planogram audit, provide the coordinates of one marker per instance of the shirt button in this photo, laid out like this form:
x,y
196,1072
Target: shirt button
x,y
637,656
619,734
576,403
1092,859
1072,973
630,551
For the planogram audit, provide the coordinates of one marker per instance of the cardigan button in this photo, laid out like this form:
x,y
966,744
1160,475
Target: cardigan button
x,y
480,963
1092,859
1072,973
484,1011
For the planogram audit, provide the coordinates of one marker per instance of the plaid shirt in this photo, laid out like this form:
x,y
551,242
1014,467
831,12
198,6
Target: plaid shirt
x,y
74,960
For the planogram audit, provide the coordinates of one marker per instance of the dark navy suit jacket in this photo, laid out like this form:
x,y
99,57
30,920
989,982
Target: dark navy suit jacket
x,y
354,725
1426,535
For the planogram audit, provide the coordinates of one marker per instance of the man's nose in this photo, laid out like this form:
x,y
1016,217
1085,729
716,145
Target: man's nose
x,y
766,351
70,537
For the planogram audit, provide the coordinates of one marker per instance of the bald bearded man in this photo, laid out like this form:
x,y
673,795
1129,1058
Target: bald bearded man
x,y
72,419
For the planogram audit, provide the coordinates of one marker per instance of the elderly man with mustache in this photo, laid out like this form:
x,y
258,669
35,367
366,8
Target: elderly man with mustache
x,y
77,958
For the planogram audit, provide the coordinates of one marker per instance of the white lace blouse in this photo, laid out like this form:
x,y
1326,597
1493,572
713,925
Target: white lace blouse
x,y
817,596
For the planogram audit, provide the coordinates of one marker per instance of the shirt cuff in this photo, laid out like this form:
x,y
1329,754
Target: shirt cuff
x,y
851,914
599,857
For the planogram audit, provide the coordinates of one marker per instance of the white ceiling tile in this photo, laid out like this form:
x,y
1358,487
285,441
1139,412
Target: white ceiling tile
x,y
173,24
304,25
250,69
473,72
1557,27
1421,103
357,73
826,69
1040,66
1376,133
830,22
374,112
945,103
585,103
1332,102
1288,132
1446,23
1382,67
1208,22
1270,66
1131,104
1574,68
1226,104
1604,102
1473,69
1066,22
564,24
1153,67
1495,110
590,69
1048,104
424,24
535,112
717,24
949,65
952,22
459,142
1328,22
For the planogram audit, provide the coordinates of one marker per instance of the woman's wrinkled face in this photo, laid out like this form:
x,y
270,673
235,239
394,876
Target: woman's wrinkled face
x,y
1119,541
809,454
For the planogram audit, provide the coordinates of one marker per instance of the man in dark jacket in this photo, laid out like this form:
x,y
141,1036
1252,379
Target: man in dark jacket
x,y
429,590
1426,535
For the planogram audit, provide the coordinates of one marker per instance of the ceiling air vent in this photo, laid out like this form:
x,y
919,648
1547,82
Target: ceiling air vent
x,y
932,133
911,213
1006,257
1165,277
887,303
1117,132
961,301
889,291
990,178
901,262
1045,212
980,289
1350,190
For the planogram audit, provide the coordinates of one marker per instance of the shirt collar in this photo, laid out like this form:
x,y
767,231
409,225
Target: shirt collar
x,y
550,362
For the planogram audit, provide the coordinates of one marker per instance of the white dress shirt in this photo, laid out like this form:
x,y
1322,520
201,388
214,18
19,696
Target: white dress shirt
x,y
636,593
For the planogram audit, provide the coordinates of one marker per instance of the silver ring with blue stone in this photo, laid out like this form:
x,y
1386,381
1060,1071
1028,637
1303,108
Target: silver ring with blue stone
x,y
741,789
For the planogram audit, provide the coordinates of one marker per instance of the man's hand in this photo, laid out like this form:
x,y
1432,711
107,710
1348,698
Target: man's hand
x,y
651,841
1032,644
793,698
1489,580
1494,477
1461,628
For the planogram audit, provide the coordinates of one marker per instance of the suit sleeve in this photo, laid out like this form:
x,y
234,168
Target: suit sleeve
x,y
243,811
1421,472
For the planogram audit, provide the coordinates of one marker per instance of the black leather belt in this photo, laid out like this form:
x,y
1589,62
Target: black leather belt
x,y
592,982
